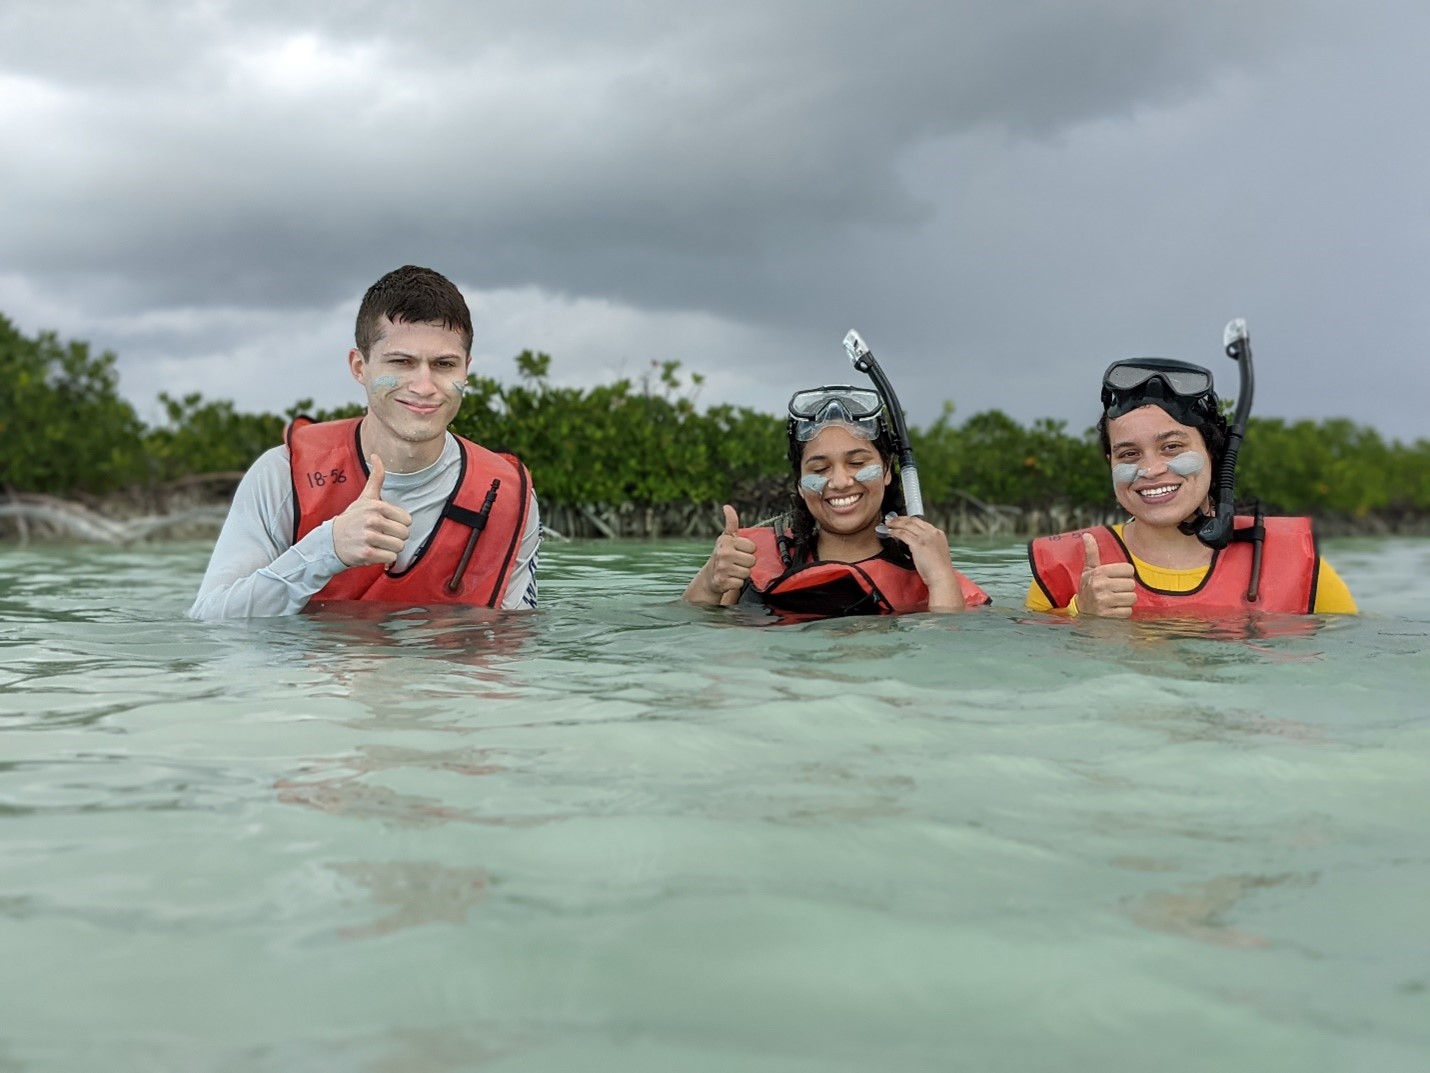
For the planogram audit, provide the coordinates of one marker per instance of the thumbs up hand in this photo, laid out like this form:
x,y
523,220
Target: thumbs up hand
x,y
371,531
1109,591
732,521
373,488
725,573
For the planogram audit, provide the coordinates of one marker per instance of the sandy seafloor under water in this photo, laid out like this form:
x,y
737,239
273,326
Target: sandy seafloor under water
x,y
621,833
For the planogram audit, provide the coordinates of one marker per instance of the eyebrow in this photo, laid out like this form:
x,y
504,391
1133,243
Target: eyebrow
x,y
414,357
1169,434
847,454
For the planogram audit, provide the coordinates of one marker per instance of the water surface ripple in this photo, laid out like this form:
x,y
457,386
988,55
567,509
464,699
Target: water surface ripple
x,y
622,833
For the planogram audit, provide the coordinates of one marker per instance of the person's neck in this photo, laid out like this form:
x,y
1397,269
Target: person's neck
x,y
1165,546
399,456
851,548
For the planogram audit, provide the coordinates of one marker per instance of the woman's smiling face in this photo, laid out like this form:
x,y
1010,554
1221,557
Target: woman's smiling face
x,y
1161,470
842,481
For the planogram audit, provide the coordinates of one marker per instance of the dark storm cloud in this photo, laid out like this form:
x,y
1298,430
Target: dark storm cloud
x,y
1004,192
530,143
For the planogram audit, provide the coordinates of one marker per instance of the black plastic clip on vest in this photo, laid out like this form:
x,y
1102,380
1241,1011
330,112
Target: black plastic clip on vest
x,y
782,543
478,522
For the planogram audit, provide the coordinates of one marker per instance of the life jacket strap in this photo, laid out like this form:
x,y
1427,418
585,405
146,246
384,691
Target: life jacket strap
x,y
476,521
1255,534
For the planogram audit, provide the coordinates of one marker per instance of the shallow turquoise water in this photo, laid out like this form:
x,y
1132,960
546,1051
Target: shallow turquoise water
x,y
625,834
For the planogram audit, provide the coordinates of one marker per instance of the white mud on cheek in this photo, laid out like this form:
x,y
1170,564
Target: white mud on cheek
x,y
1188,463
1126,473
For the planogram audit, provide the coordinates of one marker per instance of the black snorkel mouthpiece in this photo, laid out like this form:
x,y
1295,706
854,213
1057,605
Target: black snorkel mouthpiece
x,y
1217,531
862,359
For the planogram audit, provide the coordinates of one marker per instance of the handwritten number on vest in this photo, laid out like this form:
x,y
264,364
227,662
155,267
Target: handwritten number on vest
x,y
317,478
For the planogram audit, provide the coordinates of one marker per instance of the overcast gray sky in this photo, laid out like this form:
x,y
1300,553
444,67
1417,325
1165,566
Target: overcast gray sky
x,y
1001,195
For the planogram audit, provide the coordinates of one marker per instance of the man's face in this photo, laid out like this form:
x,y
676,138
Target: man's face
x,y
414,378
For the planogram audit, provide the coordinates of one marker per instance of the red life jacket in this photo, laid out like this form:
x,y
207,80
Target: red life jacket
x,y
489,502
1290,565
876,586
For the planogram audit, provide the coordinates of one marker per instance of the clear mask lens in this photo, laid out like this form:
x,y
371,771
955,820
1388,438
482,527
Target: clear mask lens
x,y
1188,381
864,428
855,402
1180,388
856,409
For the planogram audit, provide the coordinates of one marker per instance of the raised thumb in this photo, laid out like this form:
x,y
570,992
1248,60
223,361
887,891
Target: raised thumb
x,y
373,488
732,520
1091,560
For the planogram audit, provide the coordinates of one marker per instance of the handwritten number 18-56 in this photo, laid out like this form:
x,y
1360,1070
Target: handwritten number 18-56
x,y
317,478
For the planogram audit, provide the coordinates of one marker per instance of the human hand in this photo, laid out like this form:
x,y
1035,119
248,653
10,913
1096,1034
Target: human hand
x,y
729,566
928,545
371,532
1108,591
733,558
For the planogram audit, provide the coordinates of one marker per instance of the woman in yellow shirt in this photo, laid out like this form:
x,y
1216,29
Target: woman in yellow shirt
x,y
1172,460
1332,596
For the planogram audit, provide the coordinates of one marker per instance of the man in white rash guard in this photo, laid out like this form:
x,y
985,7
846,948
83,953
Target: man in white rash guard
x,y
390,507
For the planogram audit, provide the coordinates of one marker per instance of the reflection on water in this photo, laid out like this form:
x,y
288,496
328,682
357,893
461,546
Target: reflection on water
x,y
624,833
1199,911
420,892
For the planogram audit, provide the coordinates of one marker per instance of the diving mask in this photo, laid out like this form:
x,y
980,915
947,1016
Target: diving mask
x,y
1182,389
815,409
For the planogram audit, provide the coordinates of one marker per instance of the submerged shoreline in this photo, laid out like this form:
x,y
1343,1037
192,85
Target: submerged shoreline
x,y
196,507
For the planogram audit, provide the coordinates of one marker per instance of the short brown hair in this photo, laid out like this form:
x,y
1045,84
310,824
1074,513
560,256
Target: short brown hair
x,y
412,295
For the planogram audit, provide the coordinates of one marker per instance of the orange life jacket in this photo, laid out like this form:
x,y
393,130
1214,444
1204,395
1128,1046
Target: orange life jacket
x,y
489,502
876,586
1289,567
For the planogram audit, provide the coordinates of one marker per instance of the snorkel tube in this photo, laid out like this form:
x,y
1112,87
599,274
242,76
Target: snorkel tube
x,y
863,360
1216,531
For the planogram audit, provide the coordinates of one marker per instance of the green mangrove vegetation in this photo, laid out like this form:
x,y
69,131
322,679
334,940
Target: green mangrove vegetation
x,y
647,443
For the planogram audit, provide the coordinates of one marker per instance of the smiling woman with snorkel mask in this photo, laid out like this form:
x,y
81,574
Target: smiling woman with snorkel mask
x,y
849,548
1172,457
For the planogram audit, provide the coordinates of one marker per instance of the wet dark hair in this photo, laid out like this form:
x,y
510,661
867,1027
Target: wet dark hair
x,y
1213,428
804,543
412,295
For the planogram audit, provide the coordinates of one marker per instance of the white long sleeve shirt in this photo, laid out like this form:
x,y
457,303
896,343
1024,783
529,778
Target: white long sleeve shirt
x,y
257,571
